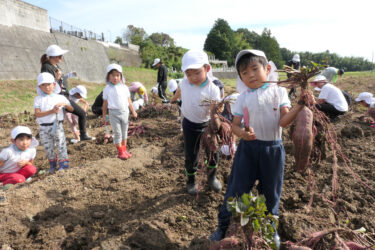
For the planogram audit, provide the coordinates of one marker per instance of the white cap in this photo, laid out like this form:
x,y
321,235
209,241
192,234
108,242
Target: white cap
x,y
54,50
320,78
364,96
80,89
20,130
194,59
250,51
45,77
114,66
154,90
172,85
156,61
296,58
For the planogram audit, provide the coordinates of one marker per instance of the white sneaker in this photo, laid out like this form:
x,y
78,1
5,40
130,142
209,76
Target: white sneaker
x,y
74,141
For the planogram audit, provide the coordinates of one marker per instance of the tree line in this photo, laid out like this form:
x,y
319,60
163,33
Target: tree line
x,y
224,43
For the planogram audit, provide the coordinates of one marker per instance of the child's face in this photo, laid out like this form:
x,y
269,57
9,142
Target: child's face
x,y
22,142
77,95
47,87
197,76
114,77
364,104
255,74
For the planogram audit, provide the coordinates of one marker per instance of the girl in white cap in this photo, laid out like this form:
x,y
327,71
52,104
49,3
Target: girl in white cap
x,y
50,116
116,100
140,89
196,87
77,95
50,63
16,161
367,100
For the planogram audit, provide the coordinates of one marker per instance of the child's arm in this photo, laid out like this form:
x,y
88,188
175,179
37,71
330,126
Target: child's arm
x,y
39,113
23,163
135,115
1,163
104,110
176,96
66,106
287,116
85,104
241,133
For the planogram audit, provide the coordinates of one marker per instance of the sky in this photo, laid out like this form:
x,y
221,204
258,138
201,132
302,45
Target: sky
x,y
342,27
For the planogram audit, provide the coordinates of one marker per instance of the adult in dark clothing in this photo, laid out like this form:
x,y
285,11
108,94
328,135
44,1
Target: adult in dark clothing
x,y
161,79
220,84
97,106
49,61
295,63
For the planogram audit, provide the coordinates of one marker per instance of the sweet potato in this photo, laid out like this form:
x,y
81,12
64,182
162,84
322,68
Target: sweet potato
x,y
303,139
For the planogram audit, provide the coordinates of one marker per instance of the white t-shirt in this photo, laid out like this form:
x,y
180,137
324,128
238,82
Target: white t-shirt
x,y
334,96
12,155
193,97
47,102
117,96
264,106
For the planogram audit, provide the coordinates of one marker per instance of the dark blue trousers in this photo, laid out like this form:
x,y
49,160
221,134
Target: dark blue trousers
x,y
255,160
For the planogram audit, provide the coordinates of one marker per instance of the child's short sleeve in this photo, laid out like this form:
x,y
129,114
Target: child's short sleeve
x,y
284,99
37,102
239,105
4,154
105,93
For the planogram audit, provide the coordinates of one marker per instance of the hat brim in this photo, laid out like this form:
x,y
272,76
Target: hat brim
x,y
358,99
59,53
193,66
250,51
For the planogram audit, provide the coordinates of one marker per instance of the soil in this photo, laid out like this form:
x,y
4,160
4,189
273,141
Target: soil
x,y
102,202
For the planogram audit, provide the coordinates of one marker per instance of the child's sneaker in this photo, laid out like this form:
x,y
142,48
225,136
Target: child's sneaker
x,y
74,141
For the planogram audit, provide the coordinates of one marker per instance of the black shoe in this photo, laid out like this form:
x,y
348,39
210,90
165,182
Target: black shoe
x,y
85,137
191,185
218,235
213,182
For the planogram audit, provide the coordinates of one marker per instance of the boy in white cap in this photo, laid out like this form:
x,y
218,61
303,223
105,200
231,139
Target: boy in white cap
x,y
140,89
260,154
50,116
197,87
331,100
77,95
161,79
367,100
117,102
16,161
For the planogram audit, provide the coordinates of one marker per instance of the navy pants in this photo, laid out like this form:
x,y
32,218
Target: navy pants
x,y
192,135
255,160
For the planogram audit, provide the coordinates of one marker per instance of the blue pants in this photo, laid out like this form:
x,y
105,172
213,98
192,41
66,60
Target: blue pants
x,y
262,160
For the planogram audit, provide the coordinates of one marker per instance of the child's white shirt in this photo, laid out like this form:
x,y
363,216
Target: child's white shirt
x,y
334,96
192,96
264,106
117,96
12,155
47,102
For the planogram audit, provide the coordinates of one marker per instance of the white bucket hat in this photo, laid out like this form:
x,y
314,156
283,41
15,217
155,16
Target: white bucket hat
x,y
116,67
194,59
156,61
296,58
54,50
24,130
46,77
172,85
80,89
364,96
154,90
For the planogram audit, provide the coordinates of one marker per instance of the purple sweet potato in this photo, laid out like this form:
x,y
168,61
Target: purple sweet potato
x,y
303,139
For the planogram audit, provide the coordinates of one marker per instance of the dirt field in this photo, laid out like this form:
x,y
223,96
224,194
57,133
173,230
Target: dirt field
x,y
102,202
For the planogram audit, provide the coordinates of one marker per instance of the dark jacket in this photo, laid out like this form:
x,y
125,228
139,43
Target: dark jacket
x,y
48,67
162,74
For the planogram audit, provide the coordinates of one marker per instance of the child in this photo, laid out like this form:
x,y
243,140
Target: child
x,y
154,95
260,153
196,87
16,161
138,88
331,100
367,100
77,95
50,116
116,98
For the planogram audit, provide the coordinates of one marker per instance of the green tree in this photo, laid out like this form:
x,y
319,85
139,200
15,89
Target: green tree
x,y
162,39
220,41
239,43
118,40
271,48
134,35
251,37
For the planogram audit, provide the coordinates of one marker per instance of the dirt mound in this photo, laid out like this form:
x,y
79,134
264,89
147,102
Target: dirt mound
x,y
102,202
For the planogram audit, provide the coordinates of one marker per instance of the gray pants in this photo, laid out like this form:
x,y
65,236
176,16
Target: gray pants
x,y
119,120
50,138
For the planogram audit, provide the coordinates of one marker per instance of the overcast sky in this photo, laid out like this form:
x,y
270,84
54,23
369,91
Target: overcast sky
x,y
342,27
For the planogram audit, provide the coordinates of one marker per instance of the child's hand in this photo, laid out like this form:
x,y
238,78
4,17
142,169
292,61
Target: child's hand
x,y
22,163
135,115
248,135
104,121
56,109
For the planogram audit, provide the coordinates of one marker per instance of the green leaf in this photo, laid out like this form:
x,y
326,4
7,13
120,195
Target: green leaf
x,y
256,225
244,220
